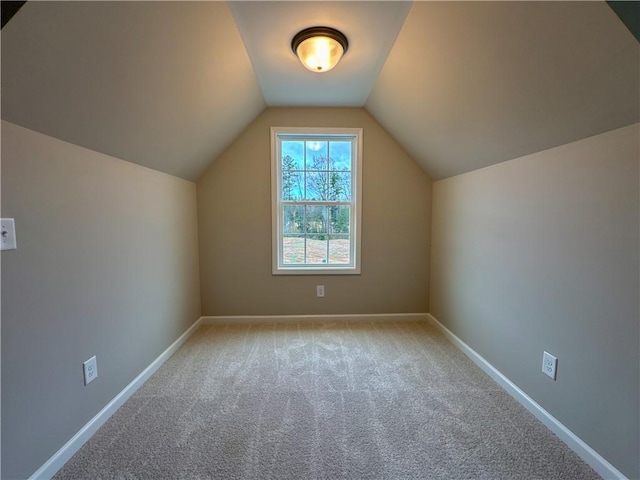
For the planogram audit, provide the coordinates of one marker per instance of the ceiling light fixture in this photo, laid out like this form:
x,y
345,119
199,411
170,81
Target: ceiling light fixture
x,y
319,48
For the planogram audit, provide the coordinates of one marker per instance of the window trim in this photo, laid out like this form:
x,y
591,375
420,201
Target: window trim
x,y
354,268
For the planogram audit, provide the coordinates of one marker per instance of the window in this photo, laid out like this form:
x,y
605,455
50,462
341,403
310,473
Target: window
x,y
316,191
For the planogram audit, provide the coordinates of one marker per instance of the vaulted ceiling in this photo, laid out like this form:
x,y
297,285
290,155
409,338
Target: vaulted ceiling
x,y
460,85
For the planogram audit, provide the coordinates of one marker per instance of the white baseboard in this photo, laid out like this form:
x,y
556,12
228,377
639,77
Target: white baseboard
x,y
350,317
62,456
584,451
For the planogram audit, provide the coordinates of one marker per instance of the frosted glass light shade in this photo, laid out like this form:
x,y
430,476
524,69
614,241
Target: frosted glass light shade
x,y
319,48
319,54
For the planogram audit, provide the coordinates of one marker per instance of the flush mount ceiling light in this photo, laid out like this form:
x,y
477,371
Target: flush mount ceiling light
x,y
319,48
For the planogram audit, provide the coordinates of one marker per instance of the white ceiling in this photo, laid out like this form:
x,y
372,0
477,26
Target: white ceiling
x,y
268,27
460,85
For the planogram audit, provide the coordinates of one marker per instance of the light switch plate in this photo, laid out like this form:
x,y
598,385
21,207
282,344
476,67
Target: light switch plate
x,y
8,234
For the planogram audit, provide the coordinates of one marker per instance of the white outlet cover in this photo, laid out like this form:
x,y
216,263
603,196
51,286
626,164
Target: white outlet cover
x,y
8,234
90,369
320,290
549,365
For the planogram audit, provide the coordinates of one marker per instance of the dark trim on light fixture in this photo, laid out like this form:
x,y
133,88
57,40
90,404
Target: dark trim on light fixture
x,y
336,35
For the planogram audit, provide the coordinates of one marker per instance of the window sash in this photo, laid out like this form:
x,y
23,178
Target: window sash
x,y
280,263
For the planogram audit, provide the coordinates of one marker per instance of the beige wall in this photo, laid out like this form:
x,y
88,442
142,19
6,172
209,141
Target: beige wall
x,y
541,253
234,212
107,265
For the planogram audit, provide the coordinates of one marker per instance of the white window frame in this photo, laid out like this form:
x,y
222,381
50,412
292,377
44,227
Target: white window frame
x,y
287,133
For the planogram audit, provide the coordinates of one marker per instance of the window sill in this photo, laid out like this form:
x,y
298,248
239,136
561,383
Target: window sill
x,y
316,271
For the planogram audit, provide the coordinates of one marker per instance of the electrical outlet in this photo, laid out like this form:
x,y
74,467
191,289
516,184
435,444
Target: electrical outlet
x,y
549,365
90,368
7,234
320,290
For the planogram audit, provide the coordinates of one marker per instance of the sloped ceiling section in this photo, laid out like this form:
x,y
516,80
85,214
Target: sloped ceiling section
x,y
167,85
460,85
469,84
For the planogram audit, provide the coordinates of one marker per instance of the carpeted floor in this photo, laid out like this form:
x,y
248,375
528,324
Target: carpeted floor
x,y
322,401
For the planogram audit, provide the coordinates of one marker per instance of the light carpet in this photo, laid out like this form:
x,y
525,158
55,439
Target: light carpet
x,y
368,400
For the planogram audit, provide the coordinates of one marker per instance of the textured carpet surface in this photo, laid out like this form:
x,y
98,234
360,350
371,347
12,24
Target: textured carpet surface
x,y
322,401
